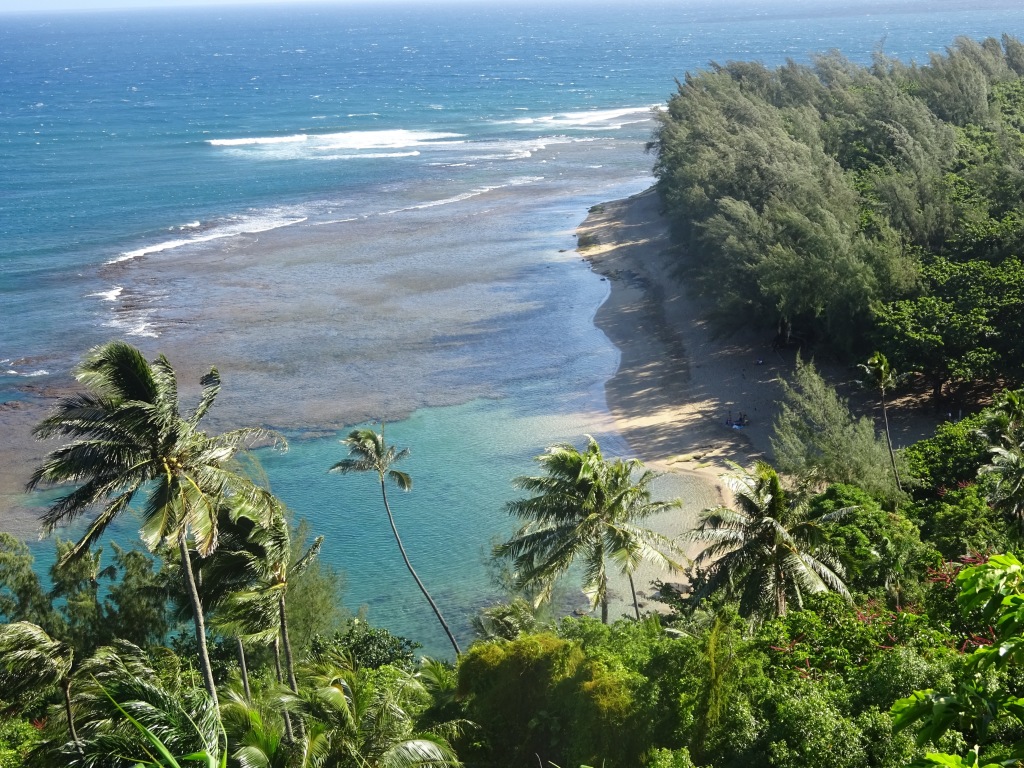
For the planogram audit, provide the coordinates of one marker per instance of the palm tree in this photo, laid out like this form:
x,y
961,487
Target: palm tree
x,y
767,549
129,435
585,508
260,610
369,721
256,737
1005,434
246,582
369,453
31,662
128,698
884,378
222,574
506,621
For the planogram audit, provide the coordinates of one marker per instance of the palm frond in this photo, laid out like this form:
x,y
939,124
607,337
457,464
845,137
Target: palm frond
x,y
768,548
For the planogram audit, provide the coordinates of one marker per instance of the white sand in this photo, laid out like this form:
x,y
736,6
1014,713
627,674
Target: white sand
x,y
677,384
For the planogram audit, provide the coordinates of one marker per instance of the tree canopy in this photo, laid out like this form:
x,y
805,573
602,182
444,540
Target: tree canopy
x,y
872,208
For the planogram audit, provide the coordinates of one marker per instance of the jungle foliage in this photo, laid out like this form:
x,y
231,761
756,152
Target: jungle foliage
x,y
867,207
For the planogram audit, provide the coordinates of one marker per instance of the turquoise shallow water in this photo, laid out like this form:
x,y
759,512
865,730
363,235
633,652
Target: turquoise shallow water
x,y
360,213
462,459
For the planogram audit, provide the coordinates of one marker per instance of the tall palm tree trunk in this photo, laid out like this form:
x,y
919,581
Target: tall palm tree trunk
x,y
277,660
780,591
197,617
288,733
632,589
289,660
602,591
66,688
243,668
888,440
405,557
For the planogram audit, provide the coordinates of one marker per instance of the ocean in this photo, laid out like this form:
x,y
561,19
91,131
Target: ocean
x,y
363,213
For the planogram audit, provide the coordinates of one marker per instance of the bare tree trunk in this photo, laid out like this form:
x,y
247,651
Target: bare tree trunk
x,y
277,660
423,589
602,591
243,667
636,603
888,440
780,592
66,687
289,661
197,618
288,733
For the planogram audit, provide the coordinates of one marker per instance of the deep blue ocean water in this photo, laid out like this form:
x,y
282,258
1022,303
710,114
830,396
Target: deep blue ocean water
x,y
363,213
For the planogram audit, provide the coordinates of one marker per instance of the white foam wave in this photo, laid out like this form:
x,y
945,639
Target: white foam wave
x,y
403,143
246,226
515,149
596,119
398,138
335,221
27,374
514,182
515,154
261,140
111,295
369,155
134,326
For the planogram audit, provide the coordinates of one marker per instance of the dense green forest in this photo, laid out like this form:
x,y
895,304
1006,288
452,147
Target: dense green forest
x,y
860,208
854,606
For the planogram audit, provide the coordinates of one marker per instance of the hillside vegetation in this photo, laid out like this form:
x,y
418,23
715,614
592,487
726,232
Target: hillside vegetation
x,y
862,208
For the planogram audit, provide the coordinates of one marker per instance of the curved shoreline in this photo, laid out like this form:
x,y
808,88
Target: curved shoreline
x,y
676,384
670,394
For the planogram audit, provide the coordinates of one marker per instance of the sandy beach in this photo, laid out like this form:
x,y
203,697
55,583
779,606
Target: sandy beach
x,y
677,385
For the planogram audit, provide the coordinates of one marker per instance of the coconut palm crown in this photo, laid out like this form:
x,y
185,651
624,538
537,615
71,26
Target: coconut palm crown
x,y
129,436
586,509
767,551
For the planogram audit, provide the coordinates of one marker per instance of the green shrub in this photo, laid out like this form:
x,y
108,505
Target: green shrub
x,y
17,737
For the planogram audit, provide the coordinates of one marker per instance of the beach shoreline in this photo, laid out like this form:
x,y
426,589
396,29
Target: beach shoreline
x,y
672,392
677,385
